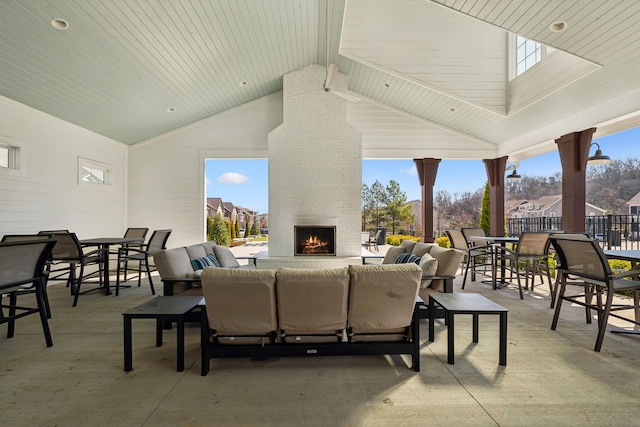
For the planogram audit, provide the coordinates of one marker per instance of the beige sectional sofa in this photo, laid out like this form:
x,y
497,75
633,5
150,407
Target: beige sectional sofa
x,y
178,273
360,309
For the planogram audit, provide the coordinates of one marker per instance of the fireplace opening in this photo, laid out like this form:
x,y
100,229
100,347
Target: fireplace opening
x,y
315,240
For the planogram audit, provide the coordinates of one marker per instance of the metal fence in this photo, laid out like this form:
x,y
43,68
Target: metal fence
x,y
612,231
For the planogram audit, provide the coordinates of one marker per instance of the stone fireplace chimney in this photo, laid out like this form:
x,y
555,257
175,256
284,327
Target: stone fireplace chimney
x,y
315,165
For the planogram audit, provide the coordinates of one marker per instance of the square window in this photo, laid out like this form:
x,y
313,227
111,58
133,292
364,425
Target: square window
x,y
92,172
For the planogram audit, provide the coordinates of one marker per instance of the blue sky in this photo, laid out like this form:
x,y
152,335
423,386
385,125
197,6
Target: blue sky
x,y
245,182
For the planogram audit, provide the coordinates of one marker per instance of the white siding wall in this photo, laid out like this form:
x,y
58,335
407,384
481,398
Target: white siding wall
x,y
166,174
45,193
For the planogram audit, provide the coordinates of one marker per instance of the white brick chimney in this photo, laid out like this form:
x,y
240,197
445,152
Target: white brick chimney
x,y
315,165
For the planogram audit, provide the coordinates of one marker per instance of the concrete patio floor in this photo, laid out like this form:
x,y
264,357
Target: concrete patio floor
x,y
552,377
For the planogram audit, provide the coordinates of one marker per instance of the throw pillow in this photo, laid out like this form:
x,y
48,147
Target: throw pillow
x,y
225,257
214,261
200,263
429,266
407,258
392,254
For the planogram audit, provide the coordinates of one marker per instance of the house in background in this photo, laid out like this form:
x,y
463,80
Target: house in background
x,y
546,206
230,212
634,205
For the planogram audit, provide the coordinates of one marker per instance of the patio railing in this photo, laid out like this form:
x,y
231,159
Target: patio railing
x,y
612,231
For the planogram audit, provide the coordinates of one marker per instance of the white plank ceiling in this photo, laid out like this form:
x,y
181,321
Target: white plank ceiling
x,y
433,76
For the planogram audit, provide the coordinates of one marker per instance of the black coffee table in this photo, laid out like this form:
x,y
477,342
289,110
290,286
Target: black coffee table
x,y
161,308
474,304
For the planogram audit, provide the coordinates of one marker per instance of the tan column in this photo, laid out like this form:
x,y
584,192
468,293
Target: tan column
x,y
574,152
495,174
427,171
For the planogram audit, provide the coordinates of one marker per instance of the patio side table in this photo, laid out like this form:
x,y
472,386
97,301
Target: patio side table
x,y
474,304
161,308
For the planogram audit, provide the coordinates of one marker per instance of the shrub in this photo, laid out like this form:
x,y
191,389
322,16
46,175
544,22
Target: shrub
x,y
396,239
443,241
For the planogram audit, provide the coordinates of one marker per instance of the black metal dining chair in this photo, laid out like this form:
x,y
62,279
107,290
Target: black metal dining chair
x,y
581,258
479,253
23,270
142,255
69,261
133,233
530,258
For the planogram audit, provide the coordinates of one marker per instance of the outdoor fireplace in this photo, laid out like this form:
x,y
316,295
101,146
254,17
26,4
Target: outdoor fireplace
x,y
315,240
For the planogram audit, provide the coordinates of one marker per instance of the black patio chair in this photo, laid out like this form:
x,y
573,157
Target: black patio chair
x,y
479,253
22,269
530,258
32,289
69,261
581,258
133,233
157,242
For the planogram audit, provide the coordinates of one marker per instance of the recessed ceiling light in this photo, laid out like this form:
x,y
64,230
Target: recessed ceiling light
x,y
244,83
387,85
59,24
171,109
453,109
558,26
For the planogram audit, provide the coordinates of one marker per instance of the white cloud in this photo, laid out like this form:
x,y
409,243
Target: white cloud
x,y
233,178
411,171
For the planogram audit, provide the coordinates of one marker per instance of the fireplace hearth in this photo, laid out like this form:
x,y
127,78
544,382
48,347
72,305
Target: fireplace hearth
x,y
315,240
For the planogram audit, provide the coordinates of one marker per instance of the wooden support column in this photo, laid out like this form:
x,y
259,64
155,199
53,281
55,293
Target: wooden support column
x,y
495,174
574,152
427,171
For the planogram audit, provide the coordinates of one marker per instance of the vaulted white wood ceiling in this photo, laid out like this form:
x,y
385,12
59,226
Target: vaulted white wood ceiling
x,y
433,76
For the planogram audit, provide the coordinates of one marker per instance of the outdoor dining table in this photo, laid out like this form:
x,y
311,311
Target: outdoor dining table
x,y
103,244
501,241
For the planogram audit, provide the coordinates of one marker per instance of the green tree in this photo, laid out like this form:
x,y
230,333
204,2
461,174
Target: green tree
x,y
485,213
219,231
237,228
246,230
210,228
380,200
397,210
368,206
255,229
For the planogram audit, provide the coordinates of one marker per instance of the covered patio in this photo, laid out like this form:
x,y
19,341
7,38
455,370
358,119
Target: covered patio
x,y
552,377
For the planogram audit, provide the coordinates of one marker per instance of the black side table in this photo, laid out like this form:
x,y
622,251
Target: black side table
x,y
161,308
474,304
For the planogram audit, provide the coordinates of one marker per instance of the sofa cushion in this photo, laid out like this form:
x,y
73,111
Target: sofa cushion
x,y
407,245
173,263
382,299
208,246
196,251
225,256
240,302
312,304
429,266
392,254
420,248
